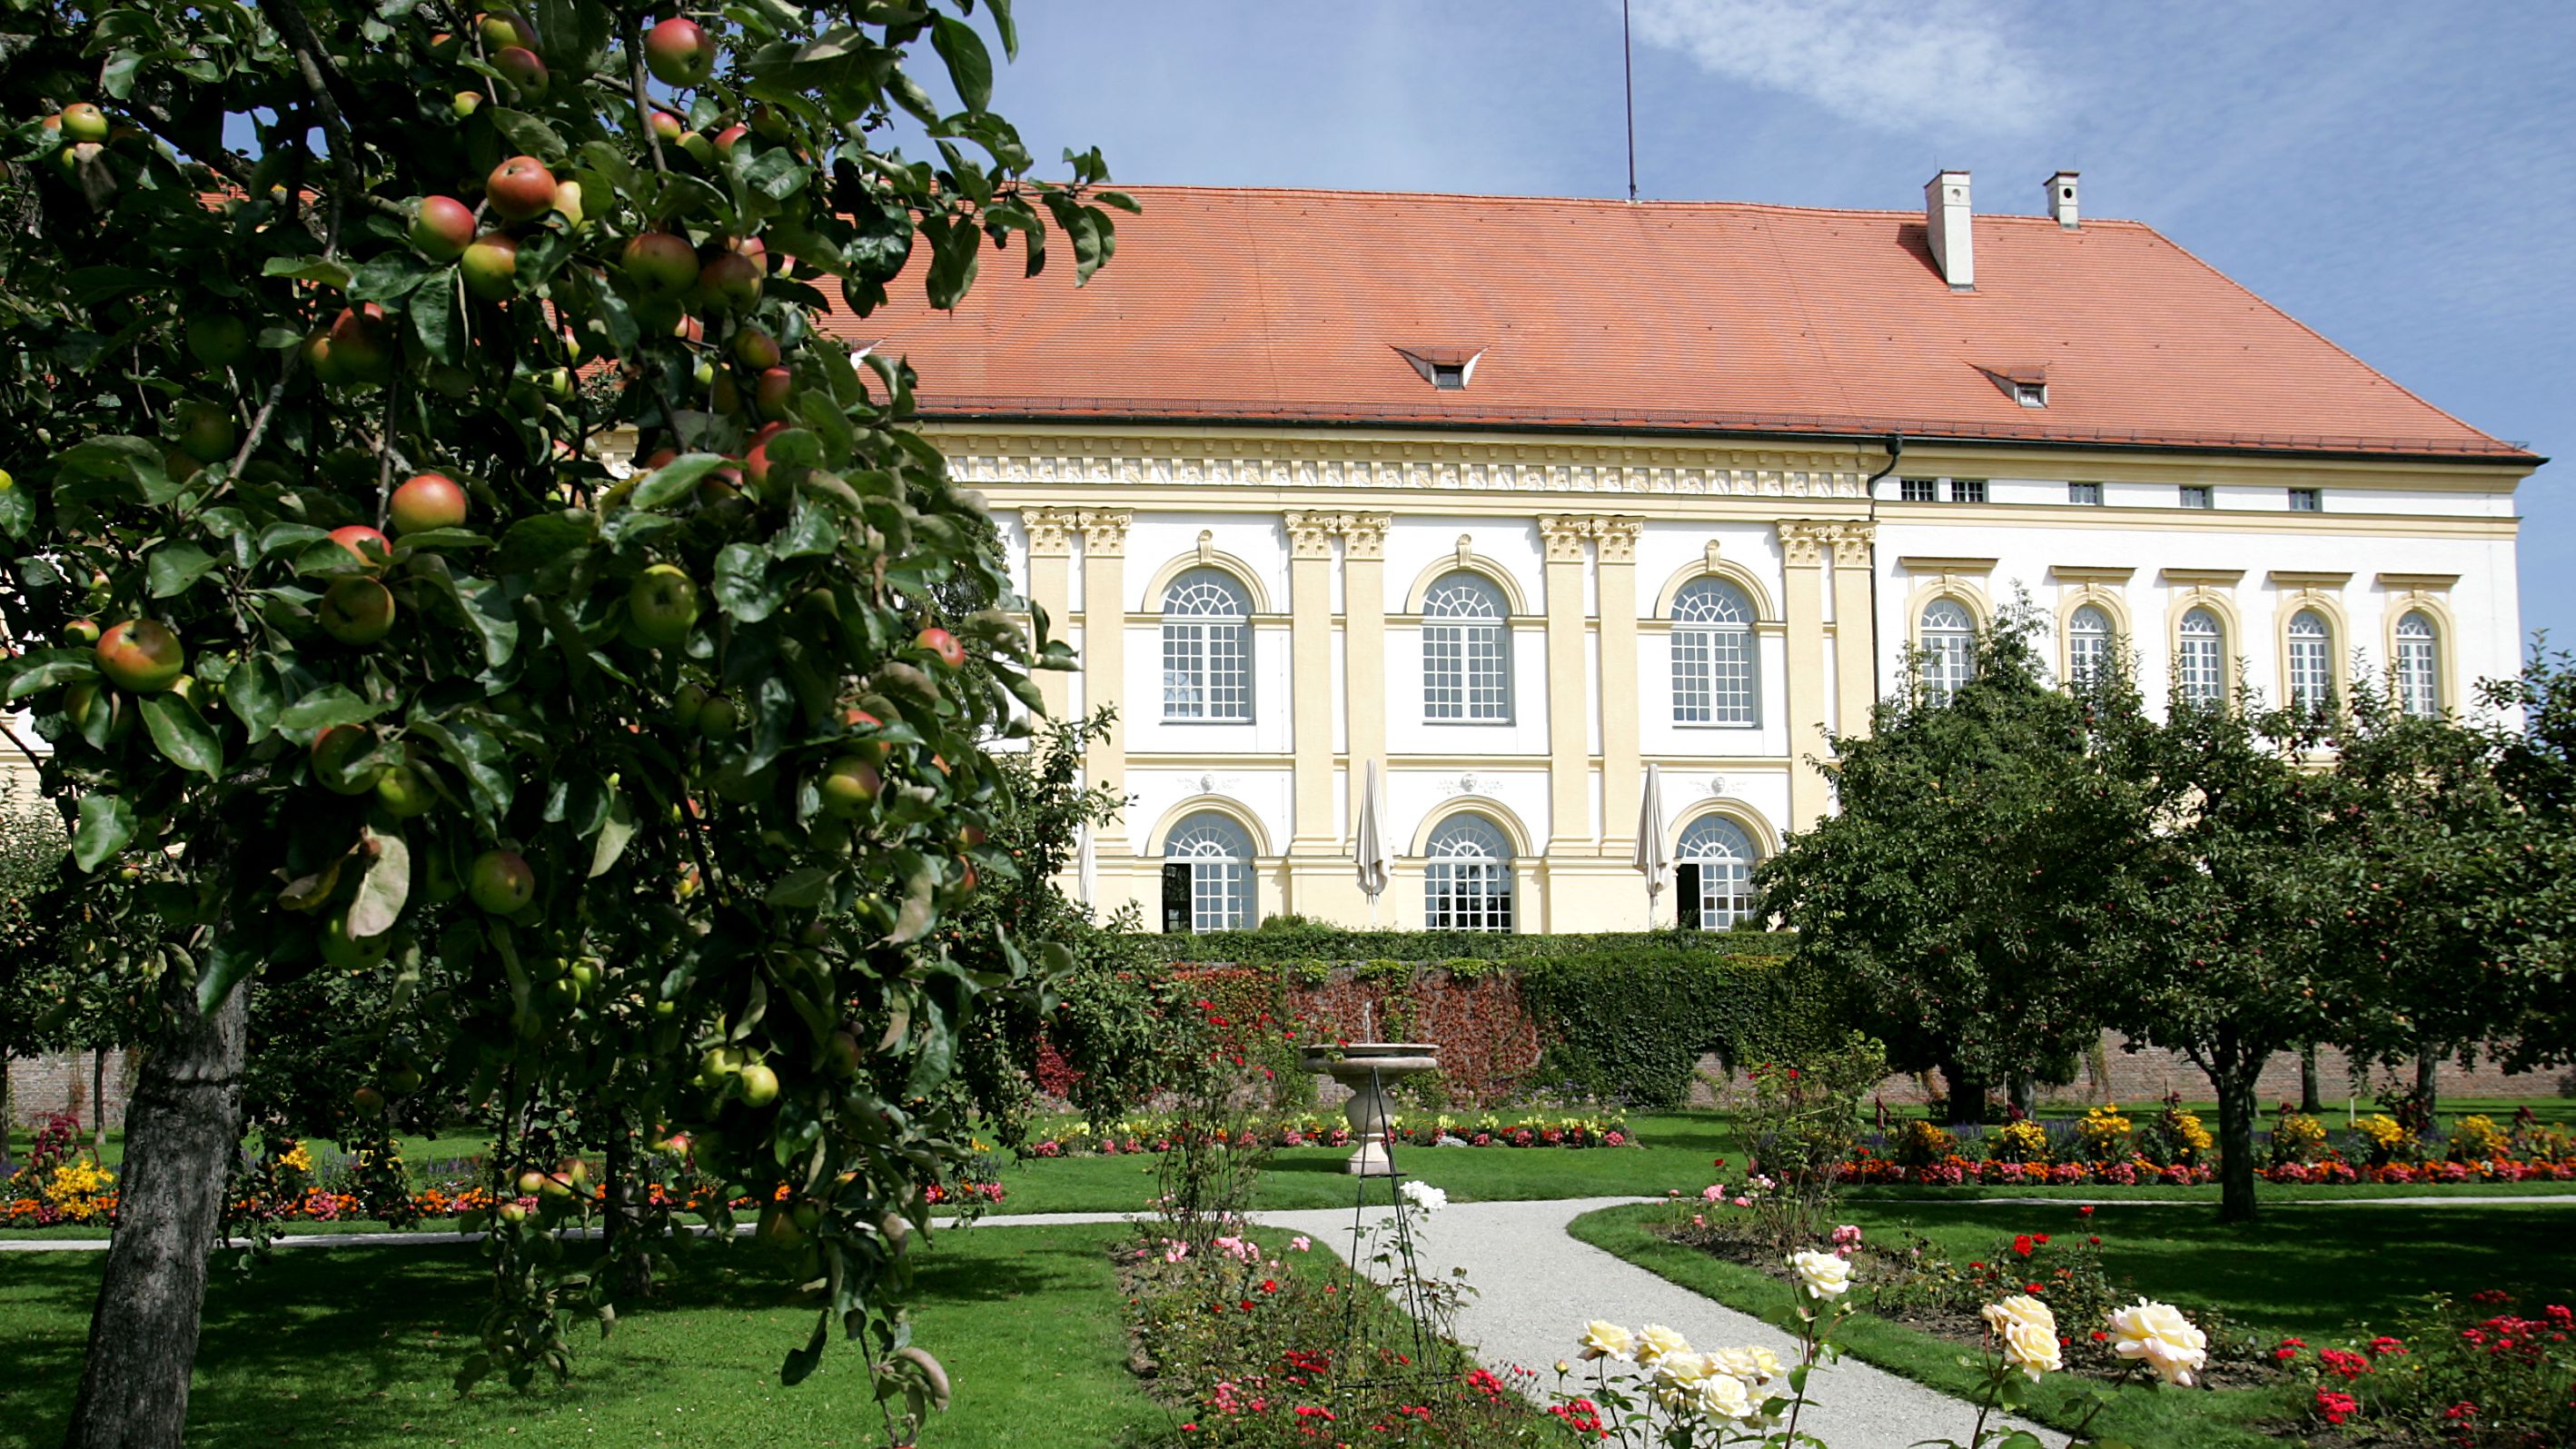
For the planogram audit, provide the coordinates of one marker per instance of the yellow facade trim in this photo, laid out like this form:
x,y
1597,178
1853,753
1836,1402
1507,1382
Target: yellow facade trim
x,y
1466,560
1209,558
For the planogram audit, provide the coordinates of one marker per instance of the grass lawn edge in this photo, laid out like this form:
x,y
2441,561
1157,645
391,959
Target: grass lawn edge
x,y
2142,1416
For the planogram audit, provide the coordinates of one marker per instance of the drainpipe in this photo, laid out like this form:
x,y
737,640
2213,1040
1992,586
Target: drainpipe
x,y
1895,454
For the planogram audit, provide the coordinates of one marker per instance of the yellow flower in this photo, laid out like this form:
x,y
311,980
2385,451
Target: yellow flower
x,y
1723,1397
2158,1335
1823,1275
1654,1341
1677,1374
1604,1339
1753,1365
2028,1334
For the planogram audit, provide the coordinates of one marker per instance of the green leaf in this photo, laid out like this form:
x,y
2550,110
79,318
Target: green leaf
x,y
918,911
1006,27
802,1362
106,827
383,889
613,835
233,956
674,480
308,269
44,668
529,134
182,735
801,889
743,583
17,510
174,567
388,275
970,66
119,459
438,319
532,543
479,755
255,698
332,704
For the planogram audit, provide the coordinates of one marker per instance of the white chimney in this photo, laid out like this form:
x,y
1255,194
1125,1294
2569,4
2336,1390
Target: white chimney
x,y
1945,220
2061,199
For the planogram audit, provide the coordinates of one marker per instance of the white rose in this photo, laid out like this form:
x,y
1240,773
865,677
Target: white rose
x,y
1654,1342
2158,1334
1677,1374
1823,1275
1604,1339
1424,1197
1724,1397
2018,1309
2032,1349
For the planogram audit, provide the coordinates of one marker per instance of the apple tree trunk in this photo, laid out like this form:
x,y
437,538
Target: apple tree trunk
x,y
182,1129
2235,1086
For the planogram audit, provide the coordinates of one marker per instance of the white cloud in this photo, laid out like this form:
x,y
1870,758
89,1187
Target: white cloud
x,y
1891,64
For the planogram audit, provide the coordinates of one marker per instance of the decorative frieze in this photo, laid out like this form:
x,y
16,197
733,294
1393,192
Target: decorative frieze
x,y
985,459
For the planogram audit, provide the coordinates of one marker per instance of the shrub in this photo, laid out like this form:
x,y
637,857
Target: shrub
x,y
2477,1374
2105,1132
1922,1142
2384,1137
2297,1137
2022,1141
2478,1139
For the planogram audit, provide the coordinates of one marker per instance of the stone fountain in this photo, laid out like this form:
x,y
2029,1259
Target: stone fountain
x,y
1367,1068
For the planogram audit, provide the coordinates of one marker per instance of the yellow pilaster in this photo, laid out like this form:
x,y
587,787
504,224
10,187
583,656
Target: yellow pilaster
x,y
1802,550
1855,628
1569,711
1310,617
1104,638
1051,589
1616,538
1363,645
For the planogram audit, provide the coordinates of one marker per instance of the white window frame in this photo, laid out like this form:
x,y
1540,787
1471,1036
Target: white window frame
x,y
2089,632
1948,635
1466,651
1717,673
1467,876
2311,661
1219,854
1725,854
2419,665
1207,649
2200,659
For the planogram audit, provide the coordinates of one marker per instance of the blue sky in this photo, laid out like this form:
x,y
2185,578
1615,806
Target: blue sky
x,y
2400,178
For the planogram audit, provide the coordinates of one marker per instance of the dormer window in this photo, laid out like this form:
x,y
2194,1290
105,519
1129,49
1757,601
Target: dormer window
x,y
1449,369
2027,386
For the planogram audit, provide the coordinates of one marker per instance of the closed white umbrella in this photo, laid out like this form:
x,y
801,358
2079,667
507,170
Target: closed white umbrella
x,y
1367,848
1650,856
1086,869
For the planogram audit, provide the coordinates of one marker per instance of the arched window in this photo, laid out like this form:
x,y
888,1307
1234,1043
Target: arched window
x,y
1949,649
2200,660
1713,875
1713,669
1207,648
2419,661
1466,651
2088,644
1467,876
2311,661
1207,875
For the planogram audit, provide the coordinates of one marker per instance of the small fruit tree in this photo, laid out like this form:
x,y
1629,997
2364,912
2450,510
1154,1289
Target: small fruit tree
x,y
357,645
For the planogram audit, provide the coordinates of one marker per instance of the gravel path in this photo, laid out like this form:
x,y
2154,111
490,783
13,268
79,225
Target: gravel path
x,y
1536,1287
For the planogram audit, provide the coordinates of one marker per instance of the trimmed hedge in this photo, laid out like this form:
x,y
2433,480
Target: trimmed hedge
x,y
1623,1020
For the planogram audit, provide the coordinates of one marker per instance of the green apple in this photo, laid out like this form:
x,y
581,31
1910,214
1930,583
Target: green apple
x,y
207,432
850,786
719,718
501,882
357,611
491,266
84,122
368,1101
757,1084
218,339
341,759
406,792
663,603
352,953
659,264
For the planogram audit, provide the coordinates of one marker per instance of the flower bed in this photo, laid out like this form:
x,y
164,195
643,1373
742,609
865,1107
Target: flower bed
x,y
1158,1134
2477,1375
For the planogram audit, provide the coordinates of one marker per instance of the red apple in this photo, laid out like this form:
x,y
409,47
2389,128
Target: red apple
x,y
768,122
667,128
501,882
491,265
773,392
371,549
426,501
84,122
446,45
465,103
141,656
337,756
206,432
357,611
660,264
663,602
730,134
521,188
942,644
368,1101
679,52
731,280
755,462
522,69
755,349
362,346
441,226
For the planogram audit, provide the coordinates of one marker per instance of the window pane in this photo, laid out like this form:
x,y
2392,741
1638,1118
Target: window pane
x,y
1915,490
2311,661
1967,490
1207,647
1725,857
1949,649
2419,691
2198,660
1467,879
1219,856
2088,644
1694,651
2085,493
1466,667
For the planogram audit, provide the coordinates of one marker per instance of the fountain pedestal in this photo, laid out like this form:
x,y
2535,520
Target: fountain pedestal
x,y
1367,1068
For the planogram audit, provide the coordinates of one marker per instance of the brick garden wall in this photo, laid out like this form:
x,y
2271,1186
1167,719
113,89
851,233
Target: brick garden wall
x,y
40,1086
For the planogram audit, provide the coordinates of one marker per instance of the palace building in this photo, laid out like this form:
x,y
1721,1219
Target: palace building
x,y
1512,498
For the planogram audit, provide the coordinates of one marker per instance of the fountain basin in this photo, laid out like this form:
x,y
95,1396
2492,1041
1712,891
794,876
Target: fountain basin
x,y
1367,1068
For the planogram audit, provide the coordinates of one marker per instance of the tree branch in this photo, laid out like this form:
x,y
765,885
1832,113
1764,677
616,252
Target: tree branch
x,y
297,31
643,106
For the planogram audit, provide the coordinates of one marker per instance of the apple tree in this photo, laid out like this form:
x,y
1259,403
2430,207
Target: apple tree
x,y
447,543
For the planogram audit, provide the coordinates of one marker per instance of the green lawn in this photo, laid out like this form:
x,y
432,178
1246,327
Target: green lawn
x,y
353,1349
2315,1270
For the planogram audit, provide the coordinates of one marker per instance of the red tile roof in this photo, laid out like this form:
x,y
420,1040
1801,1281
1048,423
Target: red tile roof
x,y
1290,307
